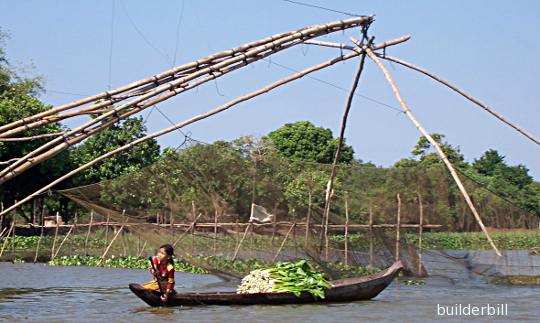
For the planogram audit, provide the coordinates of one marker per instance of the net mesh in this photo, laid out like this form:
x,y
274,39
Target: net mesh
x,y
233,208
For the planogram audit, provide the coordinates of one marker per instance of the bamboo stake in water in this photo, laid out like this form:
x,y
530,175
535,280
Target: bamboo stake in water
x,y
112,241
64,240
55,235
41,233
107,231
306,239
283,242
241,240
6,238
88,233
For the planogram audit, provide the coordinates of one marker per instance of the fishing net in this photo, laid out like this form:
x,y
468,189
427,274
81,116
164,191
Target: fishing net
x,y
230,208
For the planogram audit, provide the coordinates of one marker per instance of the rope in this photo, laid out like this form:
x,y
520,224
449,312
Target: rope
x,y
323,8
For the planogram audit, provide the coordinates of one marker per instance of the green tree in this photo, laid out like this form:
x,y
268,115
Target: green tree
x,y
117,135
304,141
425,152
18,99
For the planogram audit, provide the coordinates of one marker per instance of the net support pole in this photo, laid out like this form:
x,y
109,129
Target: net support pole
x,y
329,186
435,144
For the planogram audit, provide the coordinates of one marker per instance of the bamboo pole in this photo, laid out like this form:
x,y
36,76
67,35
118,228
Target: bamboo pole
x,y
283,242
202,116
189,229
437,147
241,241
462,93
107,231
88,232
55,235
63,240
420,232
329,187
371,236
6,238
215,231
398,226
142,249
193,228
41,233
273,47
346,252
112,241
306,239
149,80
13,242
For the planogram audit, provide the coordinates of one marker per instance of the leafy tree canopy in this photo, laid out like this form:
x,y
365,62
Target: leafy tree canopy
x,y
304,141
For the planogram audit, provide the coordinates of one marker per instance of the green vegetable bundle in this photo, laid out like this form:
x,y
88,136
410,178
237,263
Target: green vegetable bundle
x,y
289,277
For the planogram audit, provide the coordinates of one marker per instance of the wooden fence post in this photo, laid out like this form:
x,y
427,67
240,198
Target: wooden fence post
x,y
346,253
420,232
398,224
371,236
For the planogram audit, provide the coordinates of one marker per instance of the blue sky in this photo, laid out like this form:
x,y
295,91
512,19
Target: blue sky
x,y
488,48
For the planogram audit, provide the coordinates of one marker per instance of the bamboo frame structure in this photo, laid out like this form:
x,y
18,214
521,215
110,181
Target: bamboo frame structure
x,y
205,115
176,86
118,104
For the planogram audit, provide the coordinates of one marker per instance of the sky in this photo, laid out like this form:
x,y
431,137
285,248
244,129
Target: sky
x,y
488,48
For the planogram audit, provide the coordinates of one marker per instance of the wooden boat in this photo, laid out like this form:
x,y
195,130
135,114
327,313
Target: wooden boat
x,y
343,290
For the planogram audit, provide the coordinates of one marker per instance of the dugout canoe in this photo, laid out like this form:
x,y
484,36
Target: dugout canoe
x,y
343,290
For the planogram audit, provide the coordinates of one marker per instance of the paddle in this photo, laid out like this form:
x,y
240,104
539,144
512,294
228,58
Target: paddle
x,y
156,276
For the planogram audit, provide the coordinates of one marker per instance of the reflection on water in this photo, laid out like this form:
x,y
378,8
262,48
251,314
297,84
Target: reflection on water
x,y
36,292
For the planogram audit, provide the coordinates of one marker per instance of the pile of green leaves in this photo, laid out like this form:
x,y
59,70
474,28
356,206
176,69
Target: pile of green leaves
x,y
298,277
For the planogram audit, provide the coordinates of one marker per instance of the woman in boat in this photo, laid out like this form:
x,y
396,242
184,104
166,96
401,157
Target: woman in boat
x,y
164,264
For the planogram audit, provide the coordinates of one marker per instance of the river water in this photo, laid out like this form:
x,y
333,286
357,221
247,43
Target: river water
x,y
37,292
